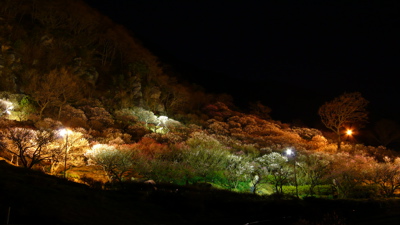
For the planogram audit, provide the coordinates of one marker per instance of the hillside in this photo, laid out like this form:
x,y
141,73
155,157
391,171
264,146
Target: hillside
x,y
88,115
100,60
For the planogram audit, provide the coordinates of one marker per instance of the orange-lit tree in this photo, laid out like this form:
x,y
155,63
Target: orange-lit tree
x,y
349,108
386,175
29,146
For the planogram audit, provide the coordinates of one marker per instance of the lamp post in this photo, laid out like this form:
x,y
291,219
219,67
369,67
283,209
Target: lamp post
x,y
350,138
64,132
290,152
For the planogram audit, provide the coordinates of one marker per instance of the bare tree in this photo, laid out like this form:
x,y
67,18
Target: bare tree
x,y
56,88
29,146
346,109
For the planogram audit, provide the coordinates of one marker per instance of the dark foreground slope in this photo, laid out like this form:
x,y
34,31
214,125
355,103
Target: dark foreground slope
x,y
35,198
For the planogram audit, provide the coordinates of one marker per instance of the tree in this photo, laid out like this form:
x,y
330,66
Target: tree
x,y
29,146
24,109
276,169
205,155
239,169
56,88
349,173
347,109
64,148
386,175
116,163
5,107
314,167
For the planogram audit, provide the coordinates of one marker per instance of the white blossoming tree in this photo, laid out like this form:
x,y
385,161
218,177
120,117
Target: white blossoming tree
x,y
239,169
275,169
115,163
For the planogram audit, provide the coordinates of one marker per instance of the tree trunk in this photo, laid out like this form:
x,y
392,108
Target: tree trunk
x,y
339,141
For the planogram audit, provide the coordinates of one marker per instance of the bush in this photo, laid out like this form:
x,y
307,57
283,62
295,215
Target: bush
x,y
291,190
323,190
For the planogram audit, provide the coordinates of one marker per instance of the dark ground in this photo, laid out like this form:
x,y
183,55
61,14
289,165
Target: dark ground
x,y
36,198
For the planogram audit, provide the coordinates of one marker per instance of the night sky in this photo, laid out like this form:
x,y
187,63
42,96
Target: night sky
x,y
291,55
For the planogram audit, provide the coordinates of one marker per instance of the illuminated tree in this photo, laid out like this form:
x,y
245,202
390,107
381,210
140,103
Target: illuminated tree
x,y
276,168
76,141
346,109
350,172
218,111
387,176
115,163
314,168
144,115
239,169
5,107
24,109
205,155
29,146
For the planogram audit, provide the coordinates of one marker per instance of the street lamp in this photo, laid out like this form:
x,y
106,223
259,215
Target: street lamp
x,y
351,138
64,133
290,152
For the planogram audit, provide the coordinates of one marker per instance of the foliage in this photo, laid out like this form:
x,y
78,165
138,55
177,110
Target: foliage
x,y
273,168
5,107
116,163
74,117
150,149
348,173
68,148
98,117
239,170
75,68
313,169
16,106
205,155
347,109
386,175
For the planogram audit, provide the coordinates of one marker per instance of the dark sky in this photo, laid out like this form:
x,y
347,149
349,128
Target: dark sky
x,y
291,55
